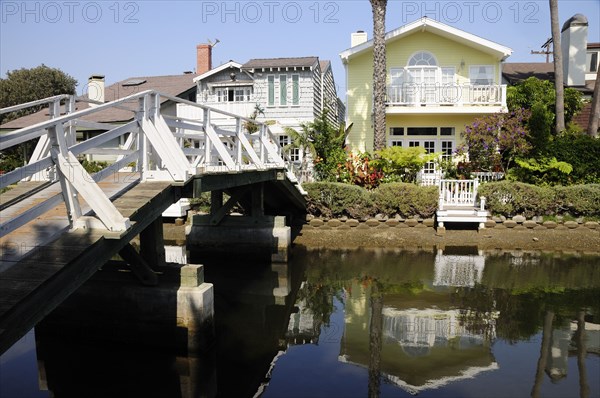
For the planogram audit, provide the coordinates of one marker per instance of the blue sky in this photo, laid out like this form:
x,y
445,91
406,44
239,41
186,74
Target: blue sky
x,y
122,39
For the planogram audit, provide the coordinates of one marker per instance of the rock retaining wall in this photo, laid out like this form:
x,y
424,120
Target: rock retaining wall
x,y
518,222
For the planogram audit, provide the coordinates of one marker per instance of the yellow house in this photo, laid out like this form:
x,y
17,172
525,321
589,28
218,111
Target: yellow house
x,y
439,79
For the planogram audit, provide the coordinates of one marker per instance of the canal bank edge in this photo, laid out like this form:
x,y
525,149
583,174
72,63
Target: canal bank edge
x,y
515,234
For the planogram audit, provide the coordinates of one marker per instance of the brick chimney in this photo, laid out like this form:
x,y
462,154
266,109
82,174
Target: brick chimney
x,y
204,58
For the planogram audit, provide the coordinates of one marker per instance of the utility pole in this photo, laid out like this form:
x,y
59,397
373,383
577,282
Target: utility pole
x,y
547,50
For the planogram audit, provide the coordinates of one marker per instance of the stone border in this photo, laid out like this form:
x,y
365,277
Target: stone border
x,y
517,222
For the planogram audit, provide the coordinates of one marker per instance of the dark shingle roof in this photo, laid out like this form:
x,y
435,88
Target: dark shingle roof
x,y
516,72
173,85
280,62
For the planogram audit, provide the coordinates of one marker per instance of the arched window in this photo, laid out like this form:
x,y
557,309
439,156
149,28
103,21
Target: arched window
x,y
422,58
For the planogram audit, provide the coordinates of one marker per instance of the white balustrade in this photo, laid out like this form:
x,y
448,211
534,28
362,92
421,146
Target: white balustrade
x,y
412,94
162,148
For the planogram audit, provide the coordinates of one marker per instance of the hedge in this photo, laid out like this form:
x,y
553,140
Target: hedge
x,y
406,200
335,199
515,198
509,199
504,198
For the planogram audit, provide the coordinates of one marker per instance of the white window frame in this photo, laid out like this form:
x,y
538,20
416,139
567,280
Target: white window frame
x,y
295,89
490,80
283,90
270,90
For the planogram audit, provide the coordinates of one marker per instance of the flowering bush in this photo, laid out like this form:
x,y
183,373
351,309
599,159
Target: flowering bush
x,y
494,141
360,170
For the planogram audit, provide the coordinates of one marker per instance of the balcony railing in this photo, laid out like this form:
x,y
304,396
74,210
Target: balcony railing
x,y
437,94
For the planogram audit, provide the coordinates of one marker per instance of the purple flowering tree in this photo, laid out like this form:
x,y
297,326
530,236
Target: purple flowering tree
x,y
493,142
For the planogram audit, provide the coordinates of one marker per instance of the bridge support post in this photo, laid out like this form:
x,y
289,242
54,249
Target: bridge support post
x,y
195,309
255,233
242,235
152,244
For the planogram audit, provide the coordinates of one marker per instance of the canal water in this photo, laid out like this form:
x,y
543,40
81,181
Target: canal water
x,y
454,322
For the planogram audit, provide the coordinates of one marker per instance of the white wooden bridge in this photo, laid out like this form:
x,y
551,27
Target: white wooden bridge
x,y
59,223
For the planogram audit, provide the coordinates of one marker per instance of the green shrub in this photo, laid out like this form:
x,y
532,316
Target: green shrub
x,y
332,199
582,152
579,200
515,198
406,200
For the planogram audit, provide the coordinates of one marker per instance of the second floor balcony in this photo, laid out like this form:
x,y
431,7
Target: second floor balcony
x,y
446,98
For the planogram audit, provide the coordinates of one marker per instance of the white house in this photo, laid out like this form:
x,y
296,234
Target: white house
x,y
289,91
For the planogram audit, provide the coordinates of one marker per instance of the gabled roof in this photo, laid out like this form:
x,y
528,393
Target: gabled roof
x,y
174,85
230,64
438,28
324,65
265,63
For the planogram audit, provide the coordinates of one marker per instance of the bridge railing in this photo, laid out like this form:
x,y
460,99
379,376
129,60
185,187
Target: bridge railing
x,y
158,148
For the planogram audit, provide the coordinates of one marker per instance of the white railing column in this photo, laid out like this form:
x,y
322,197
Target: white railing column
x,y
58,152
263,137
207,144
142,141
238,141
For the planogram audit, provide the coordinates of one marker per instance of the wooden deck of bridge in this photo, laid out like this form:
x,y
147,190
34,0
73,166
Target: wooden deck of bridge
x,y
48,261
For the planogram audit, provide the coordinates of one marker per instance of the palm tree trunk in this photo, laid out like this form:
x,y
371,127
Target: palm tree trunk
x,y
558,68
544,351
584,388
379,73
595,111
375,341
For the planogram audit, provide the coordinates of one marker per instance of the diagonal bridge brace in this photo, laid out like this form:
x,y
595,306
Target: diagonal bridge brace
x,y
83,183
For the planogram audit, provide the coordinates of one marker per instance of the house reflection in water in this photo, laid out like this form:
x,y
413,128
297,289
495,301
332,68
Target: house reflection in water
x,y
303,327
427,342
458,267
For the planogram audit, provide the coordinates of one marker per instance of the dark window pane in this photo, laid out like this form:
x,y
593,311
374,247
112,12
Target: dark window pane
x,y
447,131
396,130
422,131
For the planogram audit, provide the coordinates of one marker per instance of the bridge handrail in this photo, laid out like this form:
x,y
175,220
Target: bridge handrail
x,y
30,104
157,153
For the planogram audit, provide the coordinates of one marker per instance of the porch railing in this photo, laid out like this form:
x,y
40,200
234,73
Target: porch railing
x,y
434,94
458,193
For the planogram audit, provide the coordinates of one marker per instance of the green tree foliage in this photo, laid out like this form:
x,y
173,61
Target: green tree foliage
x,y
25,85
329,147
303,141
582,152
403,164
494,141
250,126
533,90
540,171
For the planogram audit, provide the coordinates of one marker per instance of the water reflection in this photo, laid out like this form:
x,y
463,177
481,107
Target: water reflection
x,y
450,322
425,322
